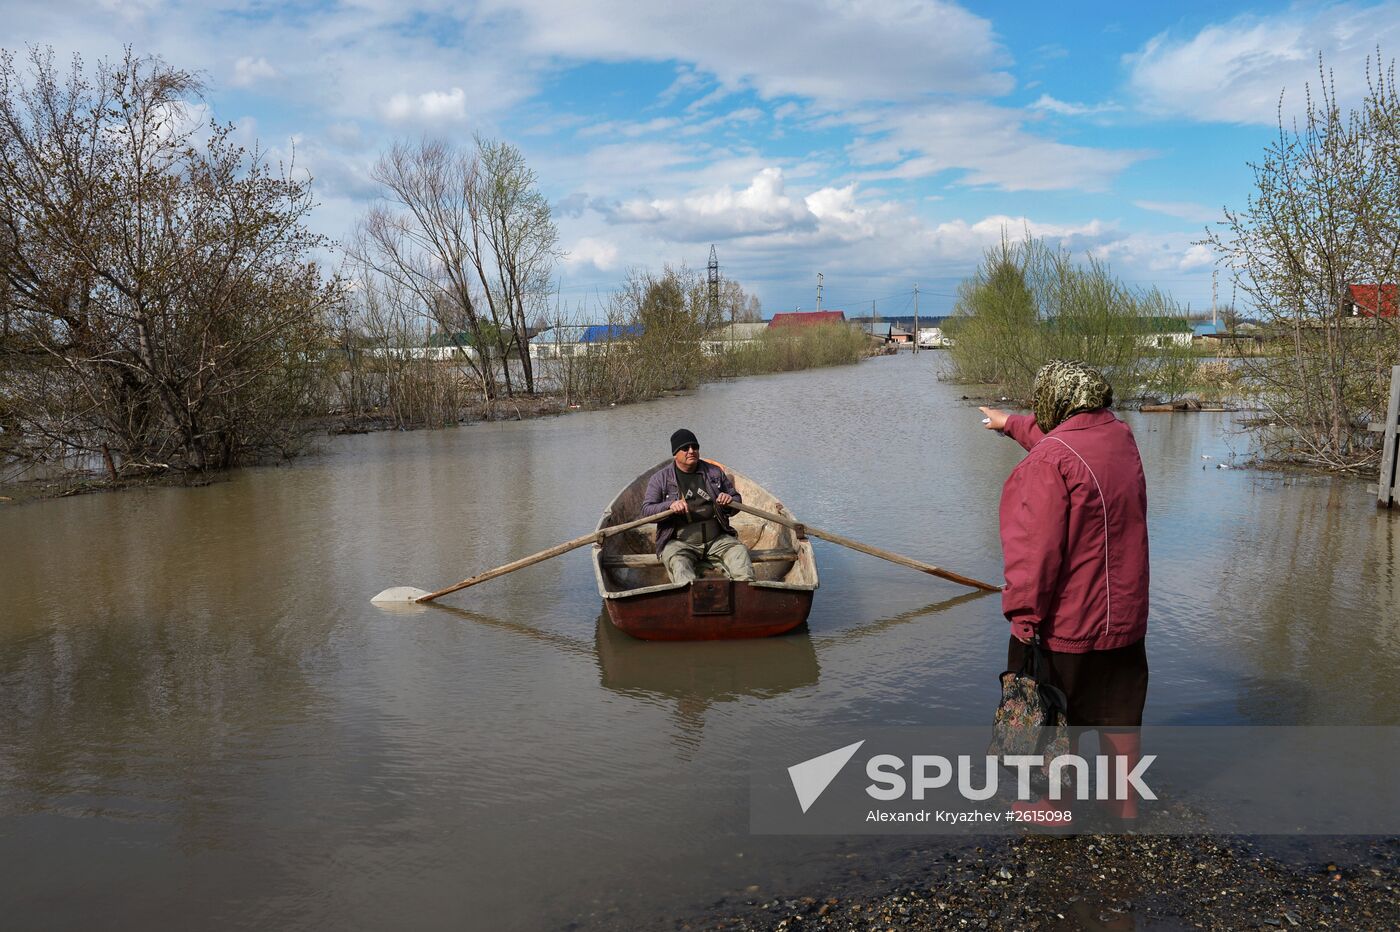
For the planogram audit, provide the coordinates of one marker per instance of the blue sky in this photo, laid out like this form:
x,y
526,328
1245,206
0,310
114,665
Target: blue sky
x,y
879,142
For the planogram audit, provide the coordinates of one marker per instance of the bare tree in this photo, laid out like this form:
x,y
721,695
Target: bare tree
x,y
737,305
161,307
471,235
420,239
515,244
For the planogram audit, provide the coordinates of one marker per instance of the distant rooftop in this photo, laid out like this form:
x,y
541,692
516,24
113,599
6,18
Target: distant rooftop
x,y
807,318
587,333
1366,300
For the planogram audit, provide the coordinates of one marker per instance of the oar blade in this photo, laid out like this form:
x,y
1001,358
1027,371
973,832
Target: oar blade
x,y
399,595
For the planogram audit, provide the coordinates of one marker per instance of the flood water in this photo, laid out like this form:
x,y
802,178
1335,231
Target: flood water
x,y
206,724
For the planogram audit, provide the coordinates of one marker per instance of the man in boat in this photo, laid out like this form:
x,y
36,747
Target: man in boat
x,y
698,534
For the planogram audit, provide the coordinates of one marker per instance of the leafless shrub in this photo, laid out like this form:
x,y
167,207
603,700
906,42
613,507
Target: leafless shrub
x,y
161,308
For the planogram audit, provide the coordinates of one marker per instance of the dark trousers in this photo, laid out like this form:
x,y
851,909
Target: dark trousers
x,y
1101,687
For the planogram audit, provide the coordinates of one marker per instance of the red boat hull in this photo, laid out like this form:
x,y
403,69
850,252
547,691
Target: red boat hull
x,y
709,610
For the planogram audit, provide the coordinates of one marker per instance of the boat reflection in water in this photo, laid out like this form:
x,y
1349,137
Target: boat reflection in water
x,y
714,671
692,677
697,675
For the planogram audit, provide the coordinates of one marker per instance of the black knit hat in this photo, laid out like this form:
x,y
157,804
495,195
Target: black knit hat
x,y
682,438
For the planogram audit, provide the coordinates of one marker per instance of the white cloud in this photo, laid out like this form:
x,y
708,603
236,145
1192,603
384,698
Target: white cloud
x,y
1066,108
1166,260
248,71
687,81
773,232
787,110
989,144
131,10
762,207
1198,256
630,129
871,50
1233,72
839,228
428,107
604,177
348,135
334,64
1182,210
591,250
960,240
709,99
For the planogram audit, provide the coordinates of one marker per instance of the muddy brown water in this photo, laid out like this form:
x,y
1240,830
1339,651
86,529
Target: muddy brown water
x,y
206,724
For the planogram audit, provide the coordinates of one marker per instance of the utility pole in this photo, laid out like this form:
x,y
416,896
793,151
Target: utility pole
x,y
714,285
916,317
1214,286
819,292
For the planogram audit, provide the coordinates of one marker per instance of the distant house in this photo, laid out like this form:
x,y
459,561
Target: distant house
x,y
900,335
437,346
807,318
561,342
447,345
732,336
1239,343
1219,340
877,331
1163,332
1371,301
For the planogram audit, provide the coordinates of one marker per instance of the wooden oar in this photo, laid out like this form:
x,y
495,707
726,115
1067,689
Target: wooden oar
x,y
410,594
866,548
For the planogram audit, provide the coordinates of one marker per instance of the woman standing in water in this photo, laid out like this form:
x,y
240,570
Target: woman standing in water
x,y
1074,539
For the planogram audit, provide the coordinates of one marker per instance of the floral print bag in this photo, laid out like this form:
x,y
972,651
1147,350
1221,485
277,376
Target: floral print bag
x,y
1031,717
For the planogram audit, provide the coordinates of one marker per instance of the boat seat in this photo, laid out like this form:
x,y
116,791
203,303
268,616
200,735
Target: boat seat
x,y
642,560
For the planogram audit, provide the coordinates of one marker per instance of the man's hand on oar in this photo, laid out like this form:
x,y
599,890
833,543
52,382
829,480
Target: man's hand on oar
x,y
866,548
402,594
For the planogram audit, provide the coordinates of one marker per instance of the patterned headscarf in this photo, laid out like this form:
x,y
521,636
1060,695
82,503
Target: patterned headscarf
x,y
1065,387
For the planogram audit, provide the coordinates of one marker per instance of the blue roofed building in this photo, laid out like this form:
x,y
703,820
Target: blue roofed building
x,y
608,333
580,340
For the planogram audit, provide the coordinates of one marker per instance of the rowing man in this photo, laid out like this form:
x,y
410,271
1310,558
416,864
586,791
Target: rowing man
x,y
698,534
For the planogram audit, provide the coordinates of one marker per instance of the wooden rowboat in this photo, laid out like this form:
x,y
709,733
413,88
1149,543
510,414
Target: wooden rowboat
x,y
642,601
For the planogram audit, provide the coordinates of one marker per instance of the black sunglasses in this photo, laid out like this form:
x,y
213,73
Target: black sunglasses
x,y
688,447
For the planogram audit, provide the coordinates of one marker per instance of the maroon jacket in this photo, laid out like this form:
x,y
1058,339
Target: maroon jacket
x,y
1074,534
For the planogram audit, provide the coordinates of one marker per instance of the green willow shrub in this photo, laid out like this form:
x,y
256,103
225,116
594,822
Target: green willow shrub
x,y
1028,303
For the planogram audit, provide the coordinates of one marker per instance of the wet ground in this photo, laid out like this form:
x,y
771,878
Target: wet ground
x,y
1095,882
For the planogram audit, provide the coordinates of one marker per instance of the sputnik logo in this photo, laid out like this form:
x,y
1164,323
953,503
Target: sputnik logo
x,y
811,777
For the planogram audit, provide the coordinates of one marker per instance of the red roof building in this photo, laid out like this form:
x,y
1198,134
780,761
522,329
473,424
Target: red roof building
x,y
1373,300
807,318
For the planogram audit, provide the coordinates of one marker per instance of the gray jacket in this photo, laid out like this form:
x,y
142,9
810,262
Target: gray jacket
x,y
662,490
